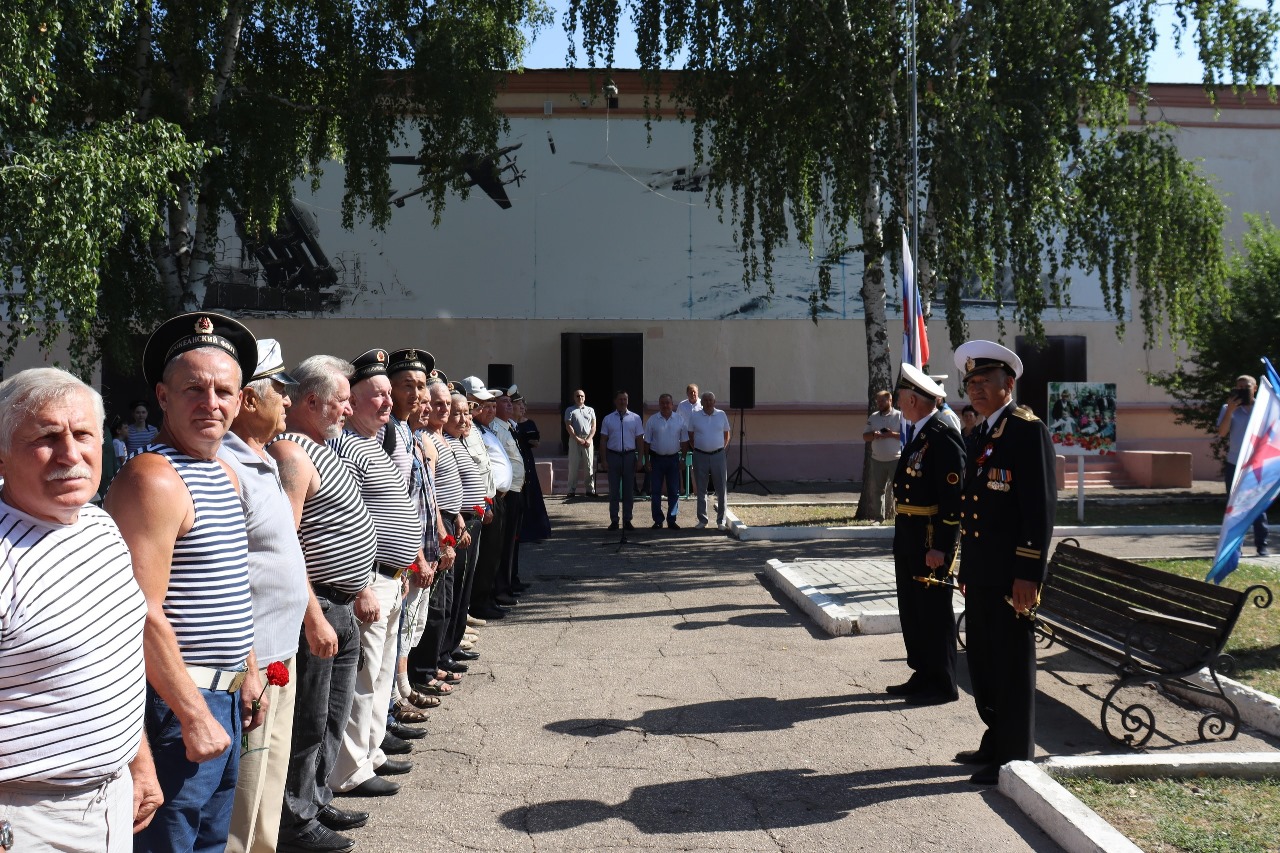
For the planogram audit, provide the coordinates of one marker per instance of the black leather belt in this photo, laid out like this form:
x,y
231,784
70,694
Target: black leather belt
x,y
387,570
708,452
665,455
323,590
622,451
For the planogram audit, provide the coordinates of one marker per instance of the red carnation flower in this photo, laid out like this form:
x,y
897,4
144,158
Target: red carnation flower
x,y
277,674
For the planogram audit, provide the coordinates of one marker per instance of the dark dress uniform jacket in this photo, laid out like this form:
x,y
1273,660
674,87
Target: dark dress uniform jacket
x,y
928,480
1008,503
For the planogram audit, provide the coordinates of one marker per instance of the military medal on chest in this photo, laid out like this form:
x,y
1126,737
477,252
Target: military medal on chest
x,y
916,462
998,479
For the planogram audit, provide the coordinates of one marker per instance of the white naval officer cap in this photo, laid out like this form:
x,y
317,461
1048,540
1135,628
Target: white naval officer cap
x,y
975,357
913,378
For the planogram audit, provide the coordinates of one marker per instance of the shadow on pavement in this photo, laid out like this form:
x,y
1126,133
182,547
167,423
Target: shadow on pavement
x,y
747,802
751,714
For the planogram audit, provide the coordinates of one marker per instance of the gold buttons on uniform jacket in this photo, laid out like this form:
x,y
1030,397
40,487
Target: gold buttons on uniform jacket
x,y
976,534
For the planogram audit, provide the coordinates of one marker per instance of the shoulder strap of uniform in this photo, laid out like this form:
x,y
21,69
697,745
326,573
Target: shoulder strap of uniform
x,y
1023,413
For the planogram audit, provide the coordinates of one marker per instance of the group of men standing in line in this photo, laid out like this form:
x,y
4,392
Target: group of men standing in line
x,y
989,504
656,447
285,577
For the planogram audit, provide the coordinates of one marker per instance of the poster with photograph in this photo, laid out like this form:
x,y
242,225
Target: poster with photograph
x,y
1082,418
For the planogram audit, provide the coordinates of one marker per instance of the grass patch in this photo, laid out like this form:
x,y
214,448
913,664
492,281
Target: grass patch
x,y
1172,512
1187,815
1255,642
798,515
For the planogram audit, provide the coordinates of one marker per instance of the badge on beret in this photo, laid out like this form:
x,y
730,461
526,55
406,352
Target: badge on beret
x,y
380,355
204,326
968,365
953,478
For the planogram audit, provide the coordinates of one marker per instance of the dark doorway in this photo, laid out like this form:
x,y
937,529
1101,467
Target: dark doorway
x,y
601,364
1061,358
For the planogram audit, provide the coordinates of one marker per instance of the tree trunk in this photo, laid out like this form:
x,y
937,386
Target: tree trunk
x,y
879,365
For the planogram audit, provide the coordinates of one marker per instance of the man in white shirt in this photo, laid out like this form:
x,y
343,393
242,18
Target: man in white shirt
x,y
708,438
883,437
664,434
580,424
622,440
689,404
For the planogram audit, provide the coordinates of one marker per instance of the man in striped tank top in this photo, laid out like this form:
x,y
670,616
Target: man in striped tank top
x,y
178,508
365,448
338,541
71,626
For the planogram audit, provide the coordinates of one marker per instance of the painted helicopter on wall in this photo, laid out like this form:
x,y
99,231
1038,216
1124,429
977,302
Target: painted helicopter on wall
x,y
490,172
688,178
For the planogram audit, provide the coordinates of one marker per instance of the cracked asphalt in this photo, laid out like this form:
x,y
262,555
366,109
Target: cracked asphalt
x,y
663,697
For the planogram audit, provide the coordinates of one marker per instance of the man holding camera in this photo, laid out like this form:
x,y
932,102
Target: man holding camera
x,y
1233,420
883,435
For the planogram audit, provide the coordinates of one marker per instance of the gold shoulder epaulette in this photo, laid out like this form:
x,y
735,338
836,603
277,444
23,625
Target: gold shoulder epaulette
x,y
1025,413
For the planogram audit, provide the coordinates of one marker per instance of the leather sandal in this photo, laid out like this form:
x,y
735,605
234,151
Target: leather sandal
x,y
421,700
433,688
408,714
448,677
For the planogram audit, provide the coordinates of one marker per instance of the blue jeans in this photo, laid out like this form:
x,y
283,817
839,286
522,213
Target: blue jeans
x,y
196,815
665,477
1259,523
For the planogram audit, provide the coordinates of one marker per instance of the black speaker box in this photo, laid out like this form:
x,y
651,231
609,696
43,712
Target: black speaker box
x,y
742,387
501,376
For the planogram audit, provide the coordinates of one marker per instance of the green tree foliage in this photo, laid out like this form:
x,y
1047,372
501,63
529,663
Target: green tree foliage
x,y
131,126
1035,155
1228,340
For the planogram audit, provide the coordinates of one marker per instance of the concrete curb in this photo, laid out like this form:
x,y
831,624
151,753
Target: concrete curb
x,y
1078,828
831,617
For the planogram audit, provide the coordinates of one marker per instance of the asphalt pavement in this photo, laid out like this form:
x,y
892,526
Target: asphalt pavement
x,y
656,694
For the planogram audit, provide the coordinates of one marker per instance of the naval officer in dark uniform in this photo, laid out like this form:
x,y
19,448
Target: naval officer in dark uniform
x,y
926,489
1006,524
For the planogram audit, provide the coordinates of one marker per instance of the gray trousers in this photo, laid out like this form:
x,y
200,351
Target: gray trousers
x,y
714,464
881,477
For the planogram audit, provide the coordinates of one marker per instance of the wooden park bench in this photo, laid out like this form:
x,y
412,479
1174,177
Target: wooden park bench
x,y
1150,626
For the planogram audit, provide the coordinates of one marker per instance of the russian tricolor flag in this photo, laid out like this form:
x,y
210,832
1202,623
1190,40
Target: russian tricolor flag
x,y
1257,480
915,342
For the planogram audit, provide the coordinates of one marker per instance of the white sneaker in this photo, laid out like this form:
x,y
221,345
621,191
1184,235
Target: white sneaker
x,y
722,525
476,621
700,525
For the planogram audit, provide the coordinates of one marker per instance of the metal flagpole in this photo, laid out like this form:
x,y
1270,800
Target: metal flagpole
x,y
915,151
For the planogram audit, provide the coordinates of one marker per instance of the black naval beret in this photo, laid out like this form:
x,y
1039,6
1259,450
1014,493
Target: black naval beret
x,y
186,332
410,359
369,364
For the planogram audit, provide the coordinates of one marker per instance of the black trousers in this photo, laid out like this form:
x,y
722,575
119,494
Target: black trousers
x,y
1002,664
462,587
490,558
424,657
928,621
514,508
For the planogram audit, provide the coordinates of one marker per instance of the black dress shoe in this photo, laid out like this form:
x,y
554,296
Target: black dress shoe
x,y
318,839
932,697
454,666
973,756
672,524
626,525
613,525
404,732
393,767
657,525
989,775
392,745
906,688
488,611
375,787
338,820
463,654
519,586
505,600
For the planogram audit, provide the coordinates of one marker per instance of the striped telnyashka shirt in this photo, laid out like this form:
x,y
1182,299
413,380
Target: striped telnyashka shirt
x,y
72,679
337,533
474,483
385,495
207,601
448,479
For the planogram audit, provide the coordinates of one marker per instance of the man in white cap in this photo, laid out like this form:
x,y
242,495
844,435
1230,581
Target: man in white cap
x,y
280,594
926,487
1007,521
